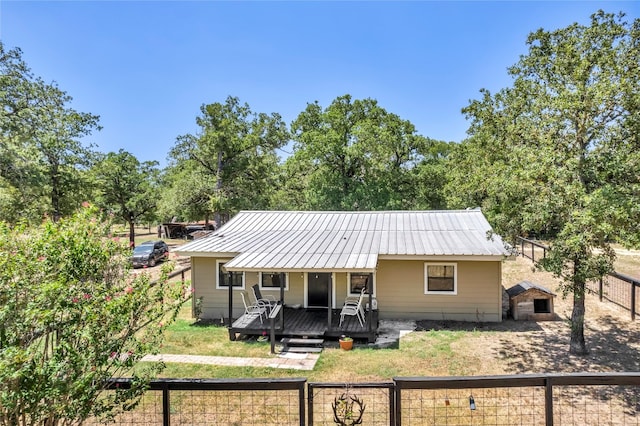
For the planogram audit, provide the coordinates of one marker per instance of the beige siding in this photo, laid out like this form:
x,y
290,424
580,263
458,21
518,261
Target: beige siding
x,y
340,288
215,302
400,292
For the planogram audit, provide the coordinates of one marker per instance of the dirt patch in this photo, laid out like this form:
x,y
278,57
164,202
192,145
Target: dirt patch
x,y
511,347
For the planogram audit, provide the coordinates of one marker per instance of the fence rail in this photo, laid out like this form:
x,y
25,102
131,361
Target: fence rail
x,y
620,289
218,401
377,399
571,399
541,399
530,248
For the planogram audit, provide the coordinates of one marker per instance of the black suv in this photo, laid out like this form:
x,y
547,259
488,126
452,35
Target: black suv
x,y
149,253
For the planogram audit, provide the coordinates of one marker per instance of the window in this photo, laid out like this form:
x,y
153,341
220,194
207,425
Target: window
x,y
223,277
356,283
271,280
440,278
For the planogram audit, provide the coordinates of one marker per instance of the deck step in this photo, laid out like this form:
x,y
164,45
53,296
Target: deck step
x,y
302,349
292,341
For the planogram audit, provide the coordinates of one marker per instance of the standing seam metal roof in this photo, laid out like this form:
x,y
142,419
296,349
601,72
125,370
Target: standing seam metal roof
x,y
294,240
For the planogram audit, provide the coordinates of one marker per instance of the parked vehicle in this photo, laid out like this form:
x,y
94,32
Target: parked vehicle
x,y
149,253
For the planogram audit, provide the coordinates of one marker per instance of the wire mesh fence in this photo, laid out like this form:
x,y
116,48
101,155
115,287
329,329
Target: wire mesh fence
x,y
596,405
219,402
267,407
615,287
571,399
496,406
347,404
546,399
148,412
620,289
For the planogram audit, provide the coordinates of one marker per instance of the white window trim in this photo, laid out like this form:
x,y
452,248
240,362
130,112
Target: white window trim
x,y
286,282
218,286
444,292
349,283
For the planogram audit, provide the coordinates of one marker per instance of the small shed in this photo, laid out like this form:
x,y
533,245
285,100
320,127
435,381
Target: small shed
x,y
529,301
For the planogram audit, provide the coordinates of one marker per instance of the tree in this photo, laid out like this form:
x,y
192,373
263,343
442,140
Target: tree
x,y
558,152
235,148
72,317
354,155
41,156
187,194
127,188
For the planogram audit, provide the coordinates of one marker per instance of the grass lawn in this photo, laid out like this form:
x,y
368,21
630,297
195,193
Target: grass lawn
x,y
438,348
432,351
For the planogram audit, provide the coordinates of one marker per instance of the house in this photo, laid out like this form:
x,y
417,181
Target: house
x,y
530,301
444,265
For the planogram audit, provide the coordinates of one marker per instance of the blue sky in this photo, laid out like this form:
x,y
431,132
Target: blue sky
x,y
146,67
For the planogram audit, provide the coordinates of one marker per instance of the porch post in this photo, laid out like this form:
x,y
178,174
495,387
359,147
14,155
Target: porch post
x,y
230,298
232,335
283,276
329,298
370,313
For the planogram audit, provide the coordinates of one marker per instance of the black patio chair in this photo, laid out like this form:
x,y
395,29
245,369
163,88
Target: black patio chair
x,y
268,300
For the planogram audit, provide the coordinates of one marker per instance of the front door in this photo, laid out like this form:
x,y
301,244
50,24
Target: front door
x,y
318,289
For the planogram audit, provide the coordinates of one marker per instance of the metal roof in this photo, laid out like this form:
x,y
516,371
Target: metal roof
x,y
523,286
311,240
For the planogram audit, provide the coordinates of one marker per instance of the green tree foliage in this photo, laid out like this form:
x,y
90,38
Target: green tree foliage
x,y
186,194
127,188
558,152
72,317
236,149
354,155
41,156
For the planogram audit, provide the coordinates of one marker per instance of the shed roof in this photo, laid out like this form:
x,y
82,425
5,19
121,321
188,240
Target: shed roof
x,y
524,286
311,240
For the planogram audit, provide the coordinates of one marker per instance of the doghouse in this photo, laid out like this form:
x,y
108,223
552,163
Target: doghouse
x,y
529,301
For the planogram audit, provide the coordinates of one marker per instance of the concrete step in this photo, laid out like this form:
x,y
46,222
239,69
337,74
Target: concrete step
x,y
302,349
292,341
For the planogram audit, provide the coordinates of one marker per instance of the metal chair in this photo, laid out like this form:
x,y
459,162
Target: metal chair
x,y
253,310
353,309
268,300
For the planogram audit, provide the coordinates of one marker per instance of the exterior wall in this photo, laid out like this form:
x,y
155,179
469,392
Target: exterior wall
x,y
400,292
340,289
215,302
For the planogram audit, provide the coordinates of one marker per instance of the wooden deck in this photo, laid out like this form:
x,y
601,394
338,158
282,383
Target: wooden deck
x,y
312,323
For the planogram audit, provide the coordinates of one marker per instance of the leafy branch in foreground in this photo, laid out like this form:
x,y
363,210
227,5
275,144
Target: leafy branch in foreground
x,y
71,317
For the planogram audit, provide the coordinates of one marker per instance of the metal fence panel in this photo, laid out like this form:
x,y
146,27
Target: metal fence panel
x,y
375,401
483,406
596,405
218,402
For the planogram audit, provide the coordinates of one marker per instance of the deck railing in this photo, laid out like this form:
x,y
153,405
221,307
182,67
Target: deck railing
x,y
567,399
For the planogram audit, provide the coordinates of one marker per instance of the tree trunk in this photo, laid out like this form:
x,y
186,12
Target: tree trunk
x,y
55,192
577,345
132,231
216,216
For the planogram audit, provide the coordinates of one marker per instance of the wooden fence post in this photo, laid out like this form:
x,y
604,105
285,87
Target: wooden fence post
x,y
548,402
533,253
600,288
633,300
166,406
